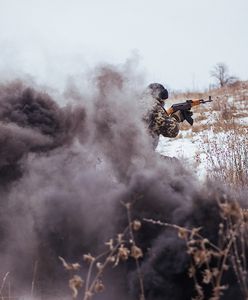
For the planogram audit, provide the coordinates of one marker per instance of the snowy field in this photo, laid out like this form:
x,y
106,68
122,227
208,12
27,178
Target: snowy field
x,y
224,136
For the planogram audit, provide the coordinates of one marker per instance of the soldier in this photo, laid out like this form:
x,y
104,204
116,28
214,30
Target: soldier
x,y
157,118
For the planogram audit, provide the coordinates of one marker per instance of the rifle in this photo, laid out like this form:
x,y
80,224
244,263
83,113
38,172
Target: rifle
x,y
185,107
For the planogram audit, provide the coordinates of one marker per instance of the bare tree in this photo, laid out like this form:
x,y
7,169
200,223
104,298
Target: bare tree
x,y
221,74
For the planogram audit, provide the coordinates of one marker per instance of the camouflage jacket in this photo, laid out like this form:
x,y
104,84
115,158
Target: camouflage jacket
x,y
160,123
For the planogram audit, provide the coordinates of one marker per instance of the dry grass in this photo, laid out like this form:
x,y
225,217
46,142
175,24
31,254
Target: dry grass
x,y
227,147
118,249
224,136
227,159
209,262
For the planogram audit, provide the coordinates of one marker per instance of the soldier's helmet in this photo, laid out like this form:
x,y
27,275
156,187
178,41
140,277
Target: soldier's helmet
x,y
158,91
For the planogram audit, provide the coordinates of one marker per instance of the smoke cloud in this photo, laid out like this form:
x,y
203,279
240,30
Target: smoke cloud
x,y
64,172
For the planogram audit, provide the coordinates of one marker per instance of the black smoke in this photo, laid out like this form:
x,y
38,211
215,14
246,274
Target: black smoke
x,y
64,172
31,122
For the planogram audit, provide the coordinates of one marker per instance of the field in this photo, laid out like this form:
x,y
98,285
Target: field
x,y
216,145
90,211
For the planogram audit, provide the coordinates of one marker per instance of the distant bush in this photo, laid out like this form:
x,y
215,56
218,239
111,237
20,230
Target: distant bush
x,y
221,74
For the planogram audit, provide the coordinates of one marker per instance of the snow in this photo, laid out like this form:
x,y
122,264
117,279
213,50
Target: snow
x,y
189,150
243,121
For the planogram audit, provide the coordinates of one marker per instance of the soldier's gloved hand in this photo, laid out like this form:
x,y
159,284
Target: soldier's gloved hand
x,y
180,116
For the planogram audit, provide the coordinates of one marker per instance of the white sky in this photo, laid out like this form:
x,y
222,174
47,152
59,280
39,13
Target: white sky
x,y
178,41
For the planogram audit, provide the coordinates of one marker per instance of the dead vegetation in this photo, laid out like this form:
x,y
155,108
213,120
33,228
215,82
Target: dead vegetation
x,y
210,262
118,250
223,133
226,147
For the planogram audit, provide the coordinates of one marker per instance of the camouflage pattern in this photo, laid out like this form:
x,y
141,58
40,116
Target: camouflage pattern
x,y
160,123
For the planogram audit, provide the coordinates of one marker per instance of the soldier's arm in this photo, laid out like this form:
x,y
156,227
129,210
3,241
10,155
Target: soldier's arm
x,y
164,124
170,127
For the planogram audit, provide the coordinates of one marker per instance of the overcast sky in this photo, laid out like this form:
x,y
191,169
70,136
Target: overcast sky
x,y
177,41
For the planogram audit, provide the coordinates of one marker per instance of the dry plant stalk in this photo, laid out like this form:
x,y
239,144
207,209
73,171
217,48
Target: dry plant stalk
x,y
34,278
136,252
122,248
3,284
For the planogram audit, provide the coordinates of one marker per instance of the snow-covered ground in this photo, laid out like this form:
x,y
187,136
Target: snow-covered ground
x,y
186,149
191,146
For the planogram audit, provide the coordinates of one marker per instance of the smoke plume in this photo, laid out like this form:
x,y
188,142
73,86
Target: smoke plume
x,y
65,173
